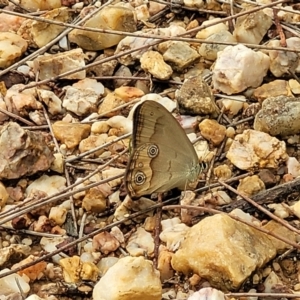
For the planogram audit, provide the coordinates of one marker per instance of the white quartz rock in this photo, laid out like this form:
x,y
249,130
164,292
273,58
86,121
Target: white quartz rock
x,y
129,278
255,149
238,68
8,284
48,184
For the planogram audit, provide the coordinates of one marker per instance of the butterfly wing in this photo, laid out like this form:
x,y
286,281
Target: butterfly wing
x,y
163,157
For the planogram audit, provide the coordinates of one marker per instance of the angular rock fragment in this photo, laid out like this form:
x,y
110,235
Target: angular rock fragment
x,y
12,48
39,34
255,149
279,116
223,251
195,97
48,66
131,278
22,152
111,17
238,67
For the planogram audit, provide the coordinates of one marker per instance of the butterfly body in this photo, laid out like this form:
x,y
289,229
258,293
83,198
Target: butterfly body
x,y
163,158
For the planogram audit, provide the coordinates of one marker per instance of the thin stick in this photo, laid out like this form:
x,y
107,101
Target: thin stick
x,y
157,230
261,208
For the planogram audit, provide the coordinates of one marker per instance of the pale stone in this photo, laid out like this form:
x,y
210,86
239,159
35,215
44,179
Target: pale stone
x,y
294,86
111,17
153,62
48,184
296,209
282,62
92,142
34,297
51,100
215,198
58,215
22,152
70,134
210,51
37,117
10,23
90,84
202,150
211,29
164,265
250,185
174,235
94,201
212,131
111,172
230,132
222,172
274,88
220,198
12,48
128,206
80,101
196,97
117,98
118,234
238,67
35,5
58,163
245,216
3,117
279,210
208,293
180,55
279,229
3,195
21,103
279,116
155,7
273,283
194,3
252,27
39,34
233,107
131,278
121,124
255,149
215,250
50,245
293,167
99,127
63,43
128,93
105,264
140,243
132,42
48,66
122,71
9,284
141,10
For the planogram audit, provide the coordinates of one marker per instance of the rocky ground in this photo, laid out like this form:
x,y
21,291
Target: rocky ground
x,y
71,75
